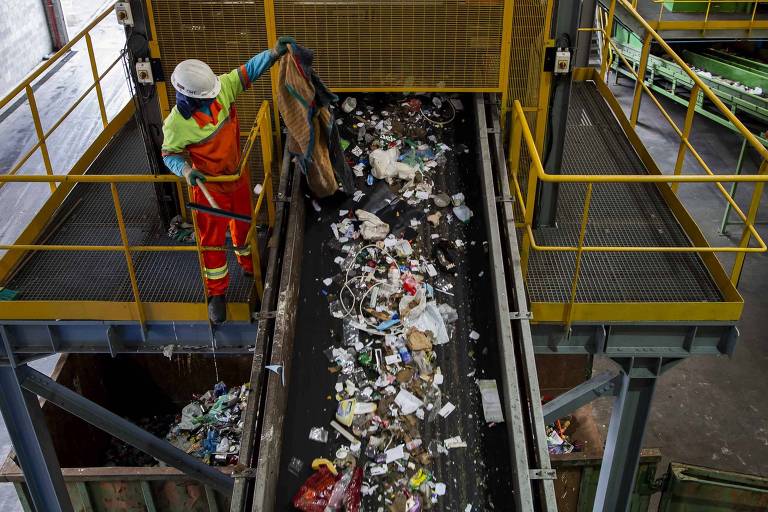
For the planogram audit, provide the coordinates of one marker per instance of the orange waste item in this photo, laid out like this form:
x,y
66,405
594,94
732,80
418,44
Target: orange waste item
x,y
314,493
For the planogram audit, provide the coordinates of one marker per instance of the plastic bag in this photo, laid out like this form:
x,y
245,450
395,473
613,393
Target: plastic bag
x,y
373,228
314,494
383,162
337,494
353,495
417,313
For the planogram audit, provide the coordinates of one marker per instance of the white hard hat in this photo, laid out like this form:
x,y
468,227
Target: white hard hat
x,y
194,78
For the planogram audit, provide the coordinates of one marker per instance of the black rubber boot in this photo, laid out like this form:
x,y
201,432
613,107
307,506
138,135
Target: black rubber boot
x,y
217,309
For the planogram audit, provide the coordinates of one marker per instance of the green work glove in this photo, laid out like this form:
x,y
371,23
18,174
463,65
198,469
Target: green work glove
x,y
281,47
192,175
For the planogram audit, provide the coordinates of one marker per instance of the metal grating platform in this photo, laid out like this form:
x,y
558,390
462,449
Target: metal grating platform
x,y
87,217
621,215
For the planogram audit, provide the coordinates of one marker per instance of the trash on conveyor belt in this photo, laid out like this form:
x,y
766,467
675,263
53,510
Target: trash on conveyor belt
x,y
388,285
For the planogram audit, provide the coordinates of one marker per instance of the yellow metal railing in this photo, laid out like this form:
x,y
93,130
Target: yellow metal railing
x,y
706,22
262,129
522,139
26,87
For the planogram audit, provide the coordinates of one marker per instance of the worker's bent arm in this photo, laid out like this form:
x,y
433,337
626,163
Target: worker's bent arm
x,y
240,79
175,143
175,164
259,64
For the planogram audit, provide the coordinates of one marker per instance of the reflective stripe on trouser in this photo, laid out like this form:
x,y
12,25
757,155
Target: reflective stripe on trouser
x,y
213,233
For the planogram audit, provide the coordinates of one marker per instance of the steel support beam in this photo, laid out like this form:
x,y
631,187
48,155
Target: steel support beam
x,y
625,433
567,24
39,384
32,442
514,396
604,384
584,39
521,326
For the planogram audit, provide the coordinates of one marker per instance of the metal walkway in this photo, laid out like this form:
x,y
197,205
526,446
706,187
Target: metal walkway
x,y
87,216
624,214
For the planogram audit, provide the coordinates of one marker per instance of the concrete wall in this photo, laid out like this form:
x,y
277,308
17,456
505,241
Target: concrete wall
x,y
24,40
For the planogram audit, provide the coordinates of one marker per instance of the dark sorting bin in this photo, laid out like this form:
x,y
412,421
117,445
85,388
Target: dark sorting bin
x,y
136,386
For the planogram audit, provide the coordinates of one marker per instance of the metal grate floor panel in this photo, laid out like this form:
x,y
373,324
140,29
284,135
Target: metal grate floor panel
x,y
87,217
621,215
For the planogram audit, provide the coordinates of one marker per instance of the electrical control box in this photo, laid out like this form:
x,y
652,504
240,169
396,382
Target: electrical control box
x,y
144,72
124,14
562,61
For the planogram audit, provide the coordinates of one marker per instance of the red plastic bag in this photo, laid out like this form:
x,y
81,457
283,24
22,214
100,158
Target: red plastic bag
x,y
313,495
353,495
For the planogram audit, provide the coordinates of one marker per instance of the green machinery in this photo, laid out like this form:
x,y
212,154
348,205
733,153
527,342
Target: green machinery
x,y
741,83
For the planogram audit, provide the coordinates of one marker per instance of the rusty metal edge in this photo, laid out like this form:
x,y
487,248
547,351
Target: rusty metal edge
x,y
281,353
11,472
248,444
522,326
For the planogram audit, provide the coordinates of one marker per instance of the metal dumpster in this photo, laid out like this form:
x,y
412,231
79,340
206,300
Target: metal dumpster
x,y
694,488
133,387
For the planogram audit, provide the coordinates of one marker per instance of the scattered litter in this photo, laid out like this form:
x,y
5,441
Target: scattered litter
x,y
489,393
559,440
318,434
447,409
474,335
295,466
463,213
168,351
454,442
372,228
408,402
398,251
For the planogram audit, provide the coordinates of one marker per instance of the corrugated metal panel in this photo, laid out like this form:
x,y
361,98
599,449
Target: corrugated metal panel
x,y
369,44
223,34
527,53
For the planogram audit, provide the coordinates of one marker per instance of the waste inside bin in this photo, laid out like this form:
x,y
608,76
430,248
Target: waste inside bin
x,y
135,387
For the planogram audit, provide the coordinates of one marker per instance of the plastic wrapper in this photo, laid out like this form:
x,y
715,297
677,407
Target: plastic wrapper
x,y
353,496
314,494
337,494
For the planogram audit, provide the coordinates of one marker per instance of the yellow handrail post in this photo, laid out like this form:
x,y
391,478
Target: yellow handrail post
x,y
606,40
96,80
689,115
577,268
642,67
200,257
515,141
128,257
530,204
752,19
40,134
256,259
182,204
746,235
267,154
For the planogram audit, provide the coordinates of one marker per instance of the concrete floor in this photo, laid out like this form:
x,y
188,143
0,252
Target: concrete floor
x,y
709,411
55,92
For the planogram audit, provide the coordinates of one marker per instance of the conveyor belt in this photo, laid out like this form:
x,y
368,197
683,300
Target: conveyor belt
x,y
477,475
620,214
87,217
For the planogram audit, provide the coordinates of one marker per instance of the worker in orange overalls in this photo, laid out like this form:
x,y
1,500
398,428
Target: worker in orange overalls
x,y
202,138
